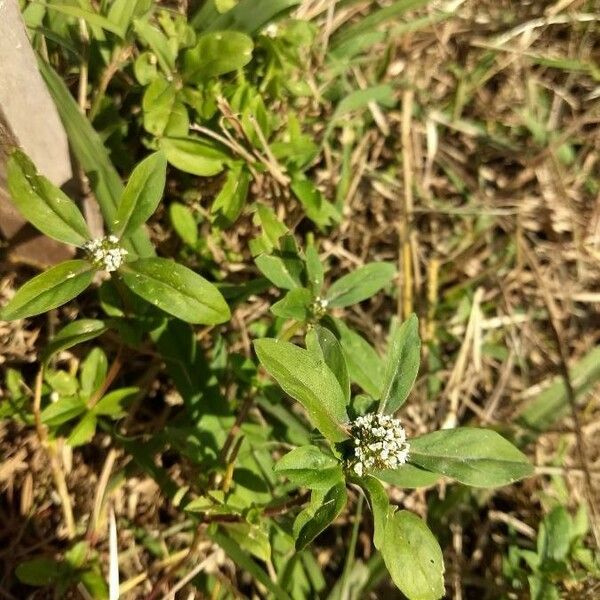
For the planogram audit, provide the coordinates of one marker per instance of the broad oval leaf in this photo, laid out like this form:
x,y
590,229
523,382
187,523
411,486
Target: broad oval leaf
x,y
43,204
84,431
404,355
413,557
215,54
176,290
50,289
322,511
141,195
308,466
477,457
74,333
194,155
309,381
184,223
360,284
323,344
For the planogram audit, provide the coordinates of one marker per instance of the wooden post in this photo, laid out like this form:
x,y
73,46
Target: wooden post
x,y
28,119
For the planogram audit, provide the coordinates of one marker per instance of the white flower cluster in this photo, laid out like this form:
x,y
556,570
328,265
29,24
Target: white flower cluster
x,y
105,252
379,443
319,306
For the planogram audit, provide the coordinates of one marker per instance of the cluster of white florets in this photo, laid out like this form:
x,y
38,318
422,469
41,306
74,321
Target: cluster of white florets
x,y
105,252
319,306
379,443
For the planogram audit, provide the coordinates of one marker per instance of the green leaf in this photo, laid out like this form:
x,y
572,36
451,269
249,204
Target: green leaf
x,y
248,16
477,457
365,366
404,356
50,289
183,222
44,205
408,476
40,571
142,194
194,155
215,54
230,201
161,108
322,511
317,208
325,346
380,507
121,12
113,404
92,155
176,290
84,431
308,466
360,284
554,539
89,16
63,410
252,538
240,558
296,304
413,557
314,269
72,334
282,272
93,371
158,42
309,381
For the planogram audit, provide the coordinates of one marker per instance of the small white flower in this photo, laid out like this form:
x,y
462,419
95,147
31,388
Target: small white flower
x,y
271,30
379,443
106,253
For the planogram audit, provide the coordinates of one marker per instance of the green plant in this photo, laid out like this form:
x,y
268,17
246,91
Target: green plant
x,y
221,102
560,556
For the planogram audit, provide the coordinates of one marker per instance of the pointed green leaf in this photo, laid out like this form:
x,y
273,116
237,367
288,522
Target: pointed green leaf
x,y
324,345
413,557
477,457
365,366
142,194
44,205
176,290
51,289
404,356
360,284
322,511
63,410
74,333
309,381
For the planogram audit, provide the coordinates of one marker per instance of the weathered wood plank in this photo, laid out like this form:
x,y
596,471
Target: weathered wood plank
x,y
29,119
